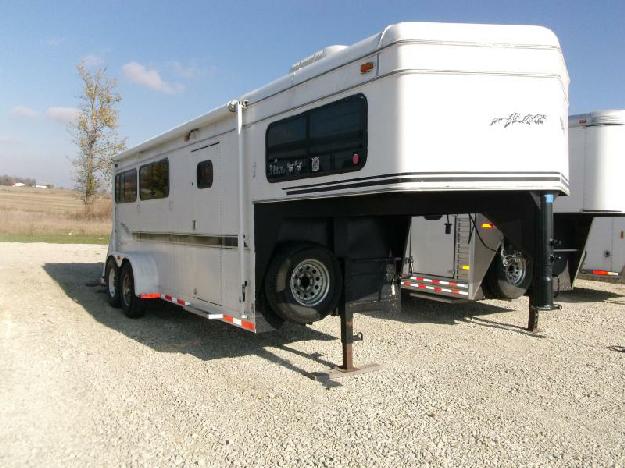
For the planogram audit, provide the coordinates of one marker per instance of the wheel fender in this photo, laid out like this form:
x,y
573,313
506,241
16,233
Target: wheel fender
x,y
144,270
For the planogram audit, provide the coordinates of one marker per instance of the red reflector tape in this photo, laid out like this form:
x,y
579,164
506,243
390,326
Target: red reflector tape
x,y
247,325
153,295
604,273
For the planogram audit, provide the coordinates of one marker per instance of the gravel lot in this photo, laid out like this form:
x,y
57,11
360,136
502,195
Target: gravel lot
x,y
460,384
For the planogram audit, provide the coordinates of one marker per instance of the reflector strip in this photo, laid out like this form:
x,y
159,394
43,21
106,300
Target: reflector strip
x,y
175,300
153,295
437,281
419,282
245,324
604,273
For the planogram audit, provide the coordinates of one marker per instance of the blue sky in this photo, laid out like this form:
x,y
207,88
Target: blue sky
x,y
176,60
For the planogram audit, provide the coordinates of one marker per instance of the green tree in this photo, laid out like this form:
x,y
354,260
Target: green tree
x,y
95,133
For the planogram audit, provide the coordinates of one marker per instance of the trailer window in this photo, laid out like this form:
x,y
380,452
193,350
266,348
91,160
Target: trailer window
x,y
154,180
327,140
205,174
126,186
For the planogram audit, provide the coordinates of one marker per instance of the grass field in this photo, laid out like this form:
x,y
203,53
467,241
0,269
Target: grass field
x,y
52,215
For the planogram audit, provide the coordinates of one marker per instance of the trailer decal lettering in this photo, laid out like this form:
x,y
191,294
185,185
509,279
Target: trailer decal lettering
x,y
516,118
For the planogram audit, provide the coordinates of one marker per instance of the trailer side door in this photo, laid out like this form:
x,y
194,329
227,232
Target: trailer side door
x,y
207,224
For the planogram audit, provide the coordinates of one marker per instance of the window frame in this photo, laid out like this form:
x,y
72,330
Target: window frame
x,y
306,144
150,167
208,162
120,182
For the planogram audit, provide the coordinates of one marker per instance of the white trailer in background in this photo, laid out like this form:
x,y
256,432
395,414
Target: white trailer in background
x,y
295,200
605,249
466,257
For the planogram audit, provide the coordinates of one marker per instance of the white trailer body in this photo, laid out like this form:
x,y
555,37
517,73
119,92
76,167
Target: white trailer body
x,y
465,253
337,156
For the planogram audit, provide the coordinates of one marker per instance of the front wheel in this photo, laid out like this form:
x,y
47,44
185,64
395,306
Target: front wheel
x,y
510,275
131,304
303,283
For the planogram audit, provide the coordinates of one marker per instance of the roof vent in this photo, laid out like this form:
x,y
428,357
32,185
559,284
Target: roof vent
x,y
320,54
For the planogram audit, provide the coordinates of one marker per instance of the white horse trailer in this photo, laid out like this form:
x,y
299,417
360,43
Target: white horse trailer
x,y
605,249
295,200
466,257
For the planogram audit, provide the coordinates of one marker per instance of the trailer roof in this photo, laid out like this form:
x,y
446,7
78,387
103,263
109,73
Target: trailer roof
x,y
603,117
327,59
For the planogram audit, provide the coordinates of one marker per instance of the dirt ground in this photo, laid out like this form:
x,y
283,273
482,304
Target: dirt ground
x,y
459,384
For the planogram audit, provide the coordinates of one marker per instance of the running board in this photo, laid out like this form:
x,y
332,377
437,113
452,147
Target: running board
x,y
435,286
434,297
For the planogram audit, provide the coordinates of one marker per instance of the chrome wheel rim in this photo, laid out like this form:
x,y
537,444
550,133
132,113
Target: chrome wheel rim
x,y
310,282
126,289
111,282
514,267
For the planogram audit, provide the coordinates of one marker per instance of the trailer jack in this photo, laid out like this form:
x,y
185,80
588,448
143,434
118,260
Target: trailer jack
x,y
541,297
346,314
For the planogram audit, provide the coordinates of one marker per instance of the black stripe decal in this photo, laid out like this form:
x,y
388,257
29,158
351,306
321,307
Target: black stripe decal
x,y
188,239
399,180
399,174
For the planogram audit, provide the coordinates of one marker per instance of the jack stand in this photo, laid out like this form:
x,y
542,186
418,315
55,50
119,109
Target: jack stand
x,y
347,334
541,298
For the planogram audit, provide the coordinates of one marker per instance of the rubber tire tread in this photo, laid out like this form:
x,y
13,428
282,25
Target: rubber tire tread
x,y
278,293
136,307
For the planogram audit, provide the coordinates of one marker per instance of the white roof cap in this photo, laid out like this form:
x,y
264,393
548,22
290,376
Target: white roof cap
x,y
333,56
604,117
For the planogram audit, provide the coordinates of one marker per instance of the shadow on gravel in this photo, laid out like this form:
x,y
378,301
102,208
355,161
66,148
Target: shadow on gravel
x,y
168,329
418,310
590,295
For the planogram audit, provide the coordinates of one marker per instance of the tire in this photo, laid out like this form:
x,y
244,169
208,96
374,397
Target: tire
x,y
111,281
510,274
131,304
303,283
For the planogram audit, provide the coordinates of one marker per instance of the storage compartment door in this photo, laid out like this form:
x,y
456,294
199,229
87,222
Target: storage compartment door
x,y
599,245
431,247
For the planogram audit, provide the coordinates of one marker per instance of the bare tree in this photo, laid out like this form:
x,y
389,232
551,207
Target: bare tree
x,y
95,133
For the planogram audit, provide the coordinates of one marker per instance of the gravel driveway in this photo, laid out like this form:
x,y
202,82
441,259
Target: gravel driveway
x,y
460,384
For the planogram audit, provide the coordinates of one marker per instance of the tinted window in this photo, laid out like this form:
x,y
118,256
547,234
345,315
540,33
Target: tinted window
x,y
205,174
154,180
126,186
328,139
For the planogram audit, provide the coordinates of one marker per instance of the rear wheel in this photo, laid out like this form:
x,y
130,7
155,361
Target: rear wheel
x,y
111,280
131,304
303,283
510,275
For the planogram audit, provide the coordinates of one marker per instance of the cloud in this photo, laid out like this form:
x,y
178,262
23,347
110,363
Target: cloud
x,y
23,111
92,60
149,78
64,115
54,41
7,140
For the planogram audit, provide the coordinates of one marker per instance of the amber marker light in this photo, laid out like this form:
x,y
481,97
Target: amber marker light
x,y
366,67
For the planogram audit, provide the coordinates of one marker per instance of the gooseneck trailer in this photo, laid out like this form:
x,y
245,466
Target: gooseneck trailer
x,y
468,252
294,201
